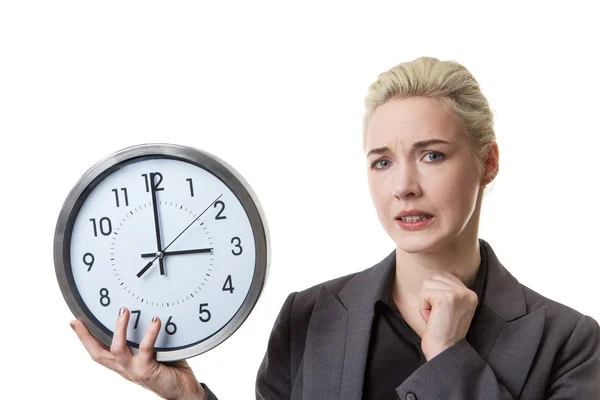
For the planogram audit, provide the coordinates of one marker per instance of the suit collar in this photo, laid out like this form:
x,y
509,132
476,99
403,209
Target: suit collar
x,y
502,293
366,286
497,289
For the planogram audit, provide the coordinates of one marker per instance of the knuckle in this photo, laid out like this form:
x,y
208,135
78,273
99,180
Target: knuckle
x,y
472,297
101,359
96,357
143,376
146,347
117,351
450,298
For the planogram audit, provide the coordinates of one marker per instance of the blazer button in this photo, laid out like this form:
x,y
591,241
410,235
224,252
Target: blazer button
x,y
411,396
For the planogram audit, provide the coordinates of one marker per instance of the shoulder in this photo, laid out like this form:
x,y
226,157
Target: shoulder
x,y
304,301
570,342
561,319
301,304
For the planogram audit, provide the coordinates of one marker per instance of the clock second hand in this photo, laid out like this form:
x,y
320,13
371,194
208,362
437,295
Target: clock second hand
x,y
160,254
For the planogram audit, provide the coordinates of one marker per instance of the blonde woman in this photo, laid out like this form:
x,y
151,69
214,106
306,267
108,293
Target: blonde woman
x,y
440,317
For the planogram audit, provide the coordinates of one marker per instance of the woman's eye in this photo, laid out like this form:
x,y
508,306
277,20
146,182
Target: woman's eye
x,y
438,156
379,164
384,163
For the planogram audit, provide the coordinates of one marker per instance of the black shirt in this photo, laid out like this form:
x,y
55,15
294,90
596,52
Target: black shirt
x,y
395,348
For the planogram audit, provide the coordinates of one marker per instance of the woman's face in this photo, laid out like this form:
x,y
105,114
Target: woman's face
x,y
440,179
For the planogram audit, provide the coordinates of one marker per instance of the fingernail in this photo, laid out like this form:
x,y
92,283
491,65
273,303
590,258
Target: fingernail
x,y
72,326
122,311
154,319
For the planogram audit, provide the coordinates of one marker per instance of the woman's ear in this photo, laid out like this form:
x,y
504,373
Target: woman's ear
x,y
491,165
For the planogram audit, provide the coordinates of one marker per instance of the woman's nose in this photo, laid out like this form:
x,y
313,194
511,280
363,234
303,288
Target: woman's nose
x,y
406,183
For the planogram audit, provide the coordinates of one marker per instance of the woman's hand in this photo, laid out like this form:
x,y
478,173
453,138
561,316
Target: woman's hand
x,y
447,306
168,380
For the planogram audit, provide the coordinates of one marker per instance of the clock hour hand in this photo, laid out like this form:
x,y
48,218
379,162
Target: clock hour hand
x,y
178,252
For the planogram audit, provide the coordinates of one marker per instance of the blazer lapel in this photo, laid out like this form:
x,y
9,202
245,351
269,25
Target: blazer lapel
x,y
355,358
515,349
325,346
337,341
502,332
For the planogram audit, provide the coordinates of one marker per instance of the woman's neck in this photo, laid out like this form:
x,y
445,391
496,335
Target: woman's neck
x,y
413,269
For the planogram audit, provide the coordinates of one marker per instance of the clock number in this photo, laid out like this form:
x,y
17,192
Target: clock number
x,y
104,299
116,192
172,326
239,241
191,186
88,263
228,282
204,311
137,319
105,226
154,183
219,202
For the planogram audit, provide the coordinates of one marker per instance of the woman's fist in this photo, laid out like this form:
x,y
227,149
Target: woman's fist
x,y
447,306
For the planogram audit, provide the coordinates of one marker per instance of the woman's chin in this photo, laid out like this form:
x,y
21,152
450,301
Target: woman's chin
x,y
416,242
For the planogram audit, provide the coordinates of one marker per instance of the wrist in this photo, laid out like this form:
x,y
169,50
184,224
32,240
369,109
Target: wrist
x,y
197,394
433,352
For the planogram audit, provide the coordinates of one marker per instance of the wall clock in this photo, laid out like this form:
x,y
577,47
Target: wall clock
x,y
165,230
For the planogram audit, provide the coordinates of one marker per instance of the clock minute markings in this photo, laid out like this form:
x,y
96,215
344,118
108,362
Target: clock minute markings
x,y
160,253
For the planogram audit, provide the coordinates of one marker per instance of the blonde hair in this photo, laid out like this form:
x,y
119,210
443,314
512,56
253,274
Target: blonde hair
x,y
446,81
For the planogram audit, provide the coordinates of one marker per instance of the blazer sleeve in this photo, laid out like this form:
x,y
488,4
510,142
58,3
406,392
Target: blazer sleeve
x,y
459,372
273,380
576,371
208,394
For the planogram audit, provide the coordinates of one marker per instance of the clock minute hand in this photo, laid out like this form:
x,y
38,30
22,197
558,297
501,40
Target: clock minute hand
x,y
156,223
179,252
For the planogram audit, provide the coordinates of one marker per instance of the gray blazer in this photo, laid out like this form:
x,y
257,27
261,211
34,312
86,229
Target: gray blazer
x,y
520,345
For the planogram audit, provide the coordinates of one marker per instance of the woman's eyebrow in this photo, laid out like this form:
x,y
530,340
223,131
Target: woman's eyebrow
x,y
416,145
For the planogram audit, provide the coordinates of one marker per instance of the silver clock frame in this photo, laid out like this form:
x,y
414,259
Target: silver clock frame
x,y
213,164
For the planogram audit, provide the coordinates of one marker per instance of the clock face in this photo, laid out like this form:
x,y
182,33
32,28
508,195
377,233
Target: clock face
x,y
163,237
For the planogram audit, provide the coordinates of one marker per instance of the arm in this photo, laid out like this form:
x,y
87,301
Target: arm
x,y
576,372
273,379
459,372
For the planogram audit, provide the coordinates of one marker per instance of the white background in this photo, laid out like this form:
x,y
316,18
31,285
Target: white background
x,y
276,90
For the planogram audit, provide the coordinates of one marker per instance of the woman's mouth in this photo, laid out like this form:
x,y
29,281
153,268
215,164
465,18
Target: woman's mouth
x,y
413,223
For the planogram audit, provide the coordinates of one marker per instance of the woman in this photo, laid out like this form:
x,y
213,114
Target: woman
x,y
439,317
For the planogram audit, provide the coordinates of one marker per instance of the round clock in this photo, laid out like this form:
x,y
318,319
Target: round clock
x,y
168,231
